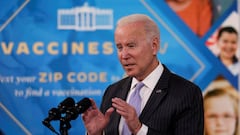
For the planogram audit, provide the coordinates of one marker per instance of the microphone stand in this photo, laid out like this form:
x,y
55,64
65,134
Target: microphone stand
x,y
64,127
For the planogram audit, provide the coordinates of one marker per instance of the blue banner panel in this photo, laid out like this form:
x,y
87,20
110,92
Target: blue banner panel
x,y
51,50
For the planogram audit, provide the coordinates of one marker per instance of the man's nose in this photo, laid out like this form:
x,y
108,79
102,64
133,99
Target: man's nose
x,y
125,53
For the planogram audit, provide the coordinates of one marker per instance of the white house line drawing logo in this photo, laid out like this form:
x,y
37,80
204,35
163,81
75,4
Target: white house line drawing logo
x,y
85,18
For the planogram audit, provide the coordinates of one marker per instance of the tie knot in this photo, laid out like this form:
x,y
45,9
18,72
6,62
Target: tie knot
x,y
139,86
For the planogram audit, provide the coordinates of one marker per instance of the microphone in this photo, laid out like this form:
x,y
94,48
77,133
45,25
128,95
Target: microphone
x,y
83,105
80,107
66,104
53,114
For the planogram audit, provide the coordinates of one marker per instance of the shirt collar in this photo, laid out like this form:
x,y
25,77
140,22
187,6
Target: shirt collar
x,y
151,80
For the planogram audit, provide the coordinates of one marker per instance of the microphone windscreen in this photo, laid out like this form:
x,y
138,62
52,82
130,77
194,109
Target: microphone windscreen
x,y
71,114
83,105
54,114
65,104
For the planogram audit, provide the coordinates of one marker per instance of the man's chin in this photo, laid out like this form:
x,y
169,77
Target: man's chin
x,y
131,74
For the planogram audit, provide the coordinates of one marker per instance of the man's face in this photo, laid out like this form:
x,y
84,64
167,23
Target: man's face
x,y
135,52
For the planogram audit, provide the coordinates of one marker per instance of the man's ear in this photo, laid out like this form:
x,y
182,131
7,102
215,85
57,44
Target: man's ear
x,y
155,45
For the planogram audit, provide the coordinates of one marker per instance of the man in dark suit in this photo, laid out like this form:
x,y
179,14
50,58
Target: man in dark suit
x,y
170,105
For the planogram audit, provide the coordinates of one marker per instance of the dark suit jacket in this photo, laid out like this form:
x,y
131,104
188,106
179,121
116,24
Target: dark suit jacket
x,y
175,106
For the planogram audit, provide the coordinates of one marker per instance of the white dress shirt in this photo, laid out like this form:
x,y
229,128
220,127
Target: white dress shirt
x,y
149,84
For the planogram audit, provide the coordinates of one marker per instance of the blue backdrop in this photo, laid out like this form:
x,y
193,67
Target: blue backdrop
x,y
54,49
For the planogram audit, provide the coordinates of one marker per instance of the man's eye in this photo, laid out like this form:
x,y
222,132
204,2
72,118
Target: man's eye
x,y
131,45
119,47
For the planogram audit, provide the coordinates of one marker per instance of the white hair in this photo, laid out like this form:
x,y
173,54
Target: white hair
x,y
150,26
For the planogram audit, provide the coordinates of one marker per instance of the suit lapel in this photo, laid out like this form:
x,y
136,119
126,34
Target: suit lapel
x,y
124,89
121,93
157,95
